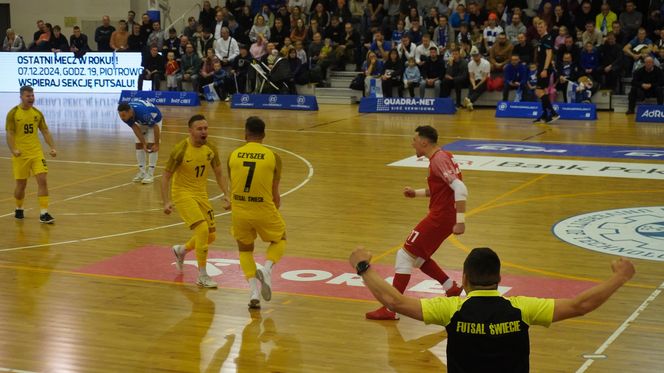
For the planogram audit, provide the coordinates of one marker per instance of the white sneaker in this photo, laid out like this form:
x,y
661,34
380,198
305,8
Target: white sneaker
x,y
266,283
468,104
139,177
205,281
148,179
179,251
254,302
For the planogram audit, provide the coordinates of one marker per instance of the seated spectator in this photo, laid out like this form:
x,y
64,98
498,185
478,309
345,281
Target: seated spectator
x,y
411,77
478,15
206,16
120,37
531,84
582,18
278,33
560,18
184,40
464,35
398,33
314,27
43,43
244,19
237,32
491,32
135,41
153,69
321,15
430,22
415,32
191,27
205,42
226,48
592,35
259,28
288,44
157,36
568,71
372,68
477,39
191,66
220,21
172,72
478,71
443,35
458,17
349,49
172,43
644,52
407,49
103,35
515,76
500,53
569,47
13,42
58,42
514,29
433,71
413,15
604,20
41,28
422,50
523,49
590,62
641,38
563,32
297,14
630,20
259,48
320,57
301,53
646,82
621,37
298,32
220,81
285,17
146,27
456,76
392,74
267,14
611,63
335,31
240,69
380,46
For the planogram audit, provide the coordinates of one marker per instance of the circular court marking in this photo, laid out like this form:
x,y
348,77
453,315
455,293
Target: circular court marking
x,y
636,232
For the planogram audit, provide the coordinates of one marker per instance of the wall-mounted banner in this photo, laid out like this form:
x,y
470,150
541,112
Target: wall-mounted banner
x,y
64,72
508,109
277,102
650,113
409,105
169,98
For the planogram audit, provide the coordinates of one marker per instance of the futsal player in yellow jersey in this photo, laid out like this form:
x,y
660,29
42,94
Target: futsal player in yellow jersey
x,y
255,172
184,187
23,122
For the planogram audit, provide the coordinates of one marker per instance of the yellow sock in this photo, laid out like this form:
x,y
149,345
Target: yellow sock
x,y
43,202
19,203
201,235
211,237
248,264
275,251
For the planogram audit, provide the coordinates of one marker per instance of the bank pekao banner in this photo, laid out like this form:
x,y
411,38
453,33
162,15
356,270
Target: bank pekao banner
x,y
409,105
64,72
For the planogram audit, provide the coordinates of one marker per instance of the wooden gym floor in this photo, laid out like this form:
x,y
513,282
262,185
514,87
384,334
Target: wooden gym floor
x,y
97,292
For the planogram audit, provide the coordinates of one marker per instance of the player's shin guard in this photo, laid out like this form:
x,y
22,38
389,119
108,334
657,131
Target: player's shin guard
x,y
201,235
140,158
152,160
248,264
403,268
275,251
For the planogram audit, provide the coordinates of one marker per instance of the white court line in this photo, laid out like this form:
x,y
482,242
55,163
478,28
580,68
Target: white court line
x,y
297,187
621,328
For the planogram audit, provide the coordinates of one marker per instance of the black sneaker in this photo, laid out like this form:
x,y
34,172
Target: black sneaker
x,y
553,118
539,119
18,214
629,112
46,218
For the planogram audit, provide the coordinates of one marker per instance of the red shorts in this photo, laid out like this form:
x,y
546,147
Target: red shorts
x,y
428,235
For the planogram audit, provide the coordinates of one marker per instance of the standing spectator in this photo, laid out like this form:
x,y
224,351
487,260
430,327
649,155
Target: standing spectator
x,y
219,23
157,36
515,77
568,71
443,35
131,20
153,69
191,28
205,42
456,76
103,35
13,42
241,68
259,27
297,69
604,20
433,71
630,20
646,82
191,66
514,29
226,48
501,53
172,73
357,10
592,35
135,41
590,62
207,15
146,27
491,32
58,42
478,71
411,77
611,63
78,42
120,37
392,74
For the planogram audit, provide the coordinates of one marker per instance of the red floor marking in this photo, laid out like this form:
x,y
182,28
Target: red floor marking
x,y
323,277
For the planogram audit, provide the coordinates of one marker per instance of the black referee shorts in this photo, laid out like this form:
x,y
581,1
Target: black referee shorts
x,y
543,83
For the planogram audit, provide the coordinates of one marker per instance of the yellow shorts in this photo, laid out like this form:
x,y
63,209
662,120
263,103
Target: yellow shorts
x,y
192,210
23,166
269,226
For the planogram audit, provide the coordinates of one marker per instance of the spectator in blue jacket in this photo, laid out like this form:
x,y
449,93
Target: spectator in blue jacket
x,y
590,61
515,75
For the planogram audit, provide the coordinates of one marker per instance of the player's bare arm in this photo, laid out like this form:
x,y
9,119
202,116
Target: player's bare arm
x,y
166,191
49,140
384,292
589,300
223,185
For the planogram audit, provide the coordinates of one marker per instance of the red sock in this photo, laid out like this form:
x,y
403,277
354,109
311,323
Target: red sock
x,y
431,268
400,282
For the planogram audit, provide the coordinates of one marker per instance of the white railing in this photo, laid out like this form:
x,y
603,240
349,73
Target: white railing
x,y
183,18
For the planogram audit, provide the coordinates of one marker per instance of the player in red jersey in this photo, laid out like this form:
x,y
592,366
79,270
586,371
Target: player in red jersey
x,y
447,206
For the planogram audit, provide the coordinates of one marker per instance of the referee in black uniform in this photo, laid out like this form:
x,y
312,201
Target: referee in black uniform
x,y
545,69
488,332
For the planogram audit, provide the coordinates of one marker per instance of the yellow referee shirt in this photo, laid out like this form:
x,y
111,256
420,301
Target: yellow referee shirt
x,y
253,169
190,166
25,123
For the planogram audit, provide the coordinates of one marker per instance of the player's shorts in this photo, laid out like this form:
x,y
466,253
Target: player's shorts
x,y
192,210
544,83
428,235
148,132
269,226
23,166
